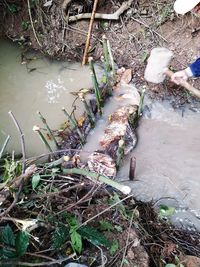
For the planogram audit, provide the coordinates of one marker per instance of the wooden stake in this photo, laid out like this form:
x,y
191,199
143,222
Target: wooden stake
x,y
132,168
87,45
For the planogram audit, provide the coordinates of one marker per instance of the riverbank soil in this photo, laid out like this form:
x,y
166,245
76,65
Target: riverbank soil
x,y
143,26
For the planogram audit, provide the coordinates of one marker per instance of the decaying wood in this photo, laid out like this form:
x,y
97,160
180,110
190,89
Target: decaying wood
x,y
102,164
119,126
87,45
114,16
118,130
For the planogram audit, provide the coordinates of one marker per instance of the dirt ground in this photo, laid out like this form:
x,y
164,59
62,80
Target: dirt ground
x,y
145,25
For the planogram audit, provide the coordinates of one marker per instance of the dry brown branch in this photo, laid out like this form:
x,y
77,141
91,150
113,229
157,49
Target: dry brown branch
x,y
21,139
114,16
127,240
32,25
87,45
103,211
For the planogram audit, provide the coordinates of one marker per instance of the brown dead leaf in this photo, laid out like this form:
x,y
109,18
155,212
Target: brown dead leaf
x,y
81,121
126,76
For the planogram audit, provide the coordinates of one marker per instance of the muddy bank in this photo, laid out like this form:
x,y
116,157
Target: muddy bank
x,y
44,27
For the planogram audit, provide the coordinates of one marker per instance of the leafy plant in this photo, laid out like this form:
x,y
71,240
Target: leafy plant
x,y
166,211
12,8
12,169
25,25
114,247
35,180
120,207
106,226
14,245
60,236
165,14
93,236
74,235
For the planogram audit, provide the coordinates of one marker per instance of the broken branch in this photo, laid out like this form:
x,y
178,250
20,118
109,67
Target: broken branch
x,y
114,16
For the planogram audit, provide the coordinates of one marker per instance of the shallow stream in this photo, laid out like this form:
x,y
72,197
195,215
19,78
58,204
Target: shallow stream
x,y
168,149
42,85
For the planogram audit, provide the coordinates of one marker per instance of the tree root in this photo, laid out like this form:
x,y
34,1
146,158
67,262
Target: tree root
x,y
114,16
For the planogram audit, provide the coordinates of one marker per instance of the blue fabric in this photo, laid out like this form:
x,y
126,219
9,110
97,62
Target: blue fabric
x,y
195,68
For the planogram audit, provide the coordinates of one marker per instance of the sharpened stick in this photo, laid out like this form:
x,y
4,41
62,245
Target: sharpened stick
x,y
87,45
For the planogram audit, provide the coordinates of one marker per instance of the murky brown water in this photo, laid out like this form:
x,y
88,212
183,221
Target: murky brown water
x,y
46,89
168,160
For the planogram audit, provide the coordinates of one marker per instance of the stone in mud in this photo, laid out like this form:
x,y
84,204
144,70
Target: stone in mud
x,y
102,164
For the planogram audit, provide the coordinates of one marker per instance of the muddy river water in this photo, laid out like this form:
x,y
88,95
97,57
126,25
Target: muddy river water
x,y
168,149
42,85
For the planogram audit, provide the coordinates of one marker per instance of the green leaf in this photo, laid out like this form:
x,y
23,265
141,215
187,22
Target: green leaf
x,y
7,236
35,180
76,241
25,25
73,222
106,226
120,207
94,236
12,8
7,253
60,236
166,211
21,243
170,265
114,247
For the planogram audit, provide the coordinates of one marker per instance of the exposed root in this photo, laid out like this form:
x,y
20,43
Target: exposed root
x,y
114,16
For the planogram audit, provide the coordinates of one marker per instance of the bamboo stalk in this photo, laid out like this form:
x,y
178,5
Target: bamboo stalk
x,y
96,85
22,139
120,153
97,177
4,146
57,162
106,54
37,129
107,75
141,103
75,125
48,128
87,45
111,60
88,110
